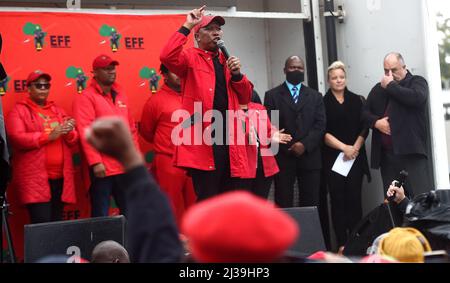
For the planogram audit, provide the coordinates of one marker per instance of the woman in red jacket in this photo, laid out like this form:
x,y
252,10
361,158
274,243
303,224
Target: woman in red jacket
x,y
260,136
41,135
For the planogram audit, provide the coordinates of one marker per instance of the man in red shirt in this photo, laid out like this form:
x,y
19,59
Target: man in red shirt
x,y
209,81
104,97
156,128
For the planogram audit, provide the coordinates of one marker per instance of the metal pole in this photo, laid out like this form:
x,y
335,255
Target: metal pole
x,y
318,45
330,23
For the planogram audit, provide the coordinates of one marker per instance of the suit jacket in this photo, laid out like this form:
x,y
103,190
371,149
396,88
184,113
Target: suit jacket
x,y
304,120
406,103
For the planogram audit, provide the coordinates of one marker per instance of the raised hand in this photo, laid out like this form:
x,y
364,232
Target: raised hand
x,y
387,79
194,17
111,136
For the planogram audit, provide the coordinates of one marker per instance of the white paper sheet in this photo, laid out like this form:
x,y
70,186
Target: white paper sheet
x,y
342,167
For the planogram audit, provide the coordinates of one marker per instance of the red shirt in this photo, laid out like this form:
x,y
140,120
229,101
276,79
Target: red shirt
x,y
54,149
156,125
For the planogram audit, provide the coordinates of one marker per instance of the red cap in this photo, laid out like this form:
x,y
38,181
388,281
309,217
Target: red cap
x,y
103,61
33,76
206,20
238,227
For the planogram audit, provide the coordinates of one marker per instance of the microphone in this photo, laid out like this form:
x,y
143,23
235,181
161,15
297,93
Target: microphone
x,y
221,45
401,181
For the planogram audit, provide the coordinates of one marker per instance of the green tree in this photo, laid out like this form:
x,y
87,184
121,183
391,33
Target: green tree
x,y
444,47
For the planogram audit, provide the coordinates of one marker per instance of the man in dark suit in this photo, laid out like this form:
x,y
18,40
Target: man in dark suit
x,y
396,110
302,115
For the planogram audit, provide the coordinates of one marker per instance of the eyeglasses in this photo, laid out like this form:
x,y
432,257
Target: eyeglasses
x,y
41,85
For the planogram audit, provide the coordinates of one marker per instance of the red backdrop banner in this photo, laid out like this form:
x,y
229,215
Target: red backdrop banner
x,y
64,45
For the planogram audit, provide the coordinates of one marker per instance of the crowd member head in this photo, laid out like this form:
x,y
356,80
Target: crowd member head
x,y
245,228
104,70
38,84
337,77
110,252
294,68
395,65
405,245
208,32
170,79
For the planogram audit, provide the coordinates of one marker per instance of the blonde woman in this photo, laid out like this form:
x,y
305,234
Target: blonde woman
x,y
344,133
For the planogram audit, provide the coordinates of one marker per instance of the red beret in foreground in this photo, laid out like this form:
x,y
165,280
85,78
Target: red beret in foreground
x,y
238,227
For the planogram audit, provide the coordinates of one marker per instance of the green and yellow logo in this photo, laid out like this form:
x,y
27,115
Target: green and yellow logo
x,y
4,85
113,34
77,74
36,31
151,75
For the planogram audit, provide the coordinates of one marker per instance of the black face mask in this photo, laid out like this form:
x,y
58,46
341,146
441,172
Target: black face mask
x,y
295,77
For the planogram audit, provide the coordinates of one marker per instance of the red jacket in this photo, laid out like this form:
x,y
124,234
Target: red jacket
x,y
92,104
156,125
195,68
259,130
25,130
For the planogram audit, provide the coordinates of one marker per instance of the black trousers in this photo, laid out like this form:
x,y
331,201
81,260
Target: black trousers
x,y
418,180
260,186
48,211
308,183
101,190
211,183
345,199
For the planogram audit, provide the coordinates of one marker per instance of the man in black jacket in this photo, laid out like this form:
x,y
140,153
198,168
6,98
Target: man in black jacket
x,y
396,110
302,115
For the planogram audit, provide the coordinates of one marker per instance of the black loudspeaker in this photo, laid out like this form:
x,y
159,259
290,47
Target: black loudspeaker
x,y
72,238
311,236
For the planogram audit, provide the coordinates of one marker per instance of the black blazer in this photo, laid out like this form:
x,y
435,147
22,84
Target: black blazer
x,y
407,113
304,120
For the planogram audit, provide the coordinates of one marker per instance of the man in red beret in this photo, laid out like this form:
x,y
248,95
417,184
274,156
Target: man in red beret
x,y
104,97
210,81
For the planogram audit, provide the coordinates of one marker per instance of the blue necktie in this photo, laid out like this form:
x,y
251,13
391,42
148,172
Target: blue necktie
x,y
295,94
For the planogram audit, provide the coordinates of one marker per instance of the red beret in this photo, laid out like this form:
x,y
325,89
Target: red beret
x,y
238,227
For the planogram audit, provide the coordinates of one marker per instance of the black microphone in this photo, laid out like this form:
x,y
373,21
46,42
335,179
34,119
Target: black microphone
x,y
221,45
401,181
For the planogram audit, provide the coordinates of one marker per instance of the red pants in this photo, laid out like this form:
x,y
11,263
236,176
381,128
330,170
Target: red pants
x,y
175,183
